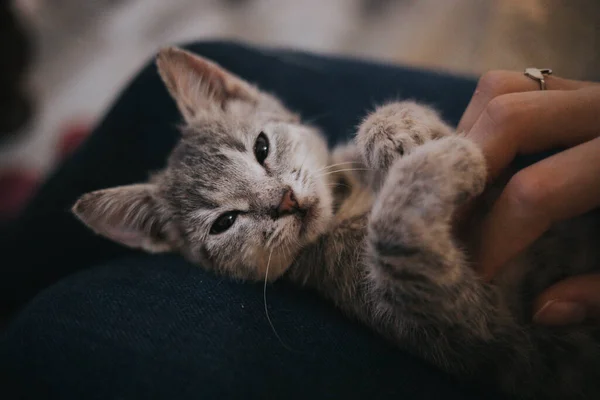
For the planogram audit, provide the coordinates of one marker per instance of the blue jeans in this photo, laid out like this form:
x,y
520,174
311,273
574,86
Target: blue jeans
x,y
127,325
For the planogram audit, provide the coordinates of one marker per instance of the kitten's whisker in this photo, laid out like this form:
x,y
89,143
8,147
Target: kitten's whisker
x,y
335,165
327,167
316,175
303,161
274,236
344,170
265,302
314,118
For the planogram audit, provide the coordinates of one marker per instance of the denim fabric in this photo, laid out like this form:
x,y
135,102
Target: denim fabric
x,y
137,326
155,327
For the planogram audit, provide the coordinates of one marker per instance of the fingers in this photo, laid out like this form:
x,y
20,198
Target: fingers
x,y
570,301
497,83
529,122
509,115
556,188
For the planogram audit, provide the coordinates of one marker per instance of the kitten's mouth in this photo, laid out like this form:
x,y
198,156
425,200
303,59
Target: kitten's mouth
x,y
304,212
307,215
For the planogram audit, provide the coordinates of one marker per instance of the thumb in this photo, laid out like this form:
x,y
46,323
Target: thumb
x,y
570,301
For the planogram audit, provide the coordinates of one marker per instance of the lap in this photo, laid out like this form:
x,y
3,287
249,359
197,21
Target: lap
x,y
157,327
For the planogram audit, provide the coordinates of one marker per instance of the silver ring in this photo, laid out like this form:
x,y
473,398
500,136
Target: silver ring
x,y
538,75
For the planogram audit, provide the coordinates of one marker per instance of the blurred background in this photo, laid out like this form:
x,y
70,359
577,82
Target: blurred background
x,y
64,61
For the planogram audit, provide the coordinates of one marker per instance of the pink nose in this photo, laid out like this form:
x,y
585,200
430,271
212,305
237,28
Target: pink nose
x,y
288,203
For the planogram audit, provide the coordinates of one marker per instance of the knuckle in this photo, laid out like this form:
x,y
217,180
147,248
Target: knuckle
x,y
527,193
502,111
495,83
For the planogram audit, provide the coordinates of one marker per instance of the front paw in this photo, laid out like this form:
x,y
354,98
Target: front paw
x,y
395,130
435,179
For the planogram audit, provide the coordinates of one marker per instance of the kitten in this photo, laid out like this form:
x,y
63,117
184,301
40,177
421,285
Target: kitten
x,y
252,193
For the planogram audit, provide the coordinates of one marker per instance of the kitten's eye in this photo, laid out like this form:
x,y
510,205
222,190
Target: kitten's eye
x,y
261,148
223,223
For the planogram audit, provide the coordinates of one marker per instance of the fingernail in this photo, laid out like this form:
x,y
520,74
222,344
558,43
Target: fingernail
x,y
556,312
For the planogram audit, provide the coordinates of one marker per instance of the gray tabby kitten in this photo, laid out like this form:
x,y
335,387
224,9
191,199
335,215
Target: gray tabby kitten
x,y
252,193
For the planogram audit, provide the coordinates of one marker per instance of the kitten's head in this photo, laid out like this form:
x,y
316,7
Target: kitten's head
x,y
242,189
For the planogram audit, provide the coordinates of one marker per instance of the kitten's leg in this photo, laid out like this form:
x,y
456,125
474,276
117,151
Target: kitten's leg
x,y
395,130
421,285
411,245
428,297
416,263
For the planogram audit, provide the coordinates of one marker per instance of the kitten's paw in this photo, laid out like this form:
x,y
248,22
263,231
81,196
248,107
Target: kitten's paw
x,y
410,227
395,130
443,173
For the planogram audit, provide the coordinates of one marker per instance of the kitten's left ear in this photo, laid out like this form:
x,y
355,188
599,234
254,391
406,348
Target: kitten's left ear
x,y
195,82
131,215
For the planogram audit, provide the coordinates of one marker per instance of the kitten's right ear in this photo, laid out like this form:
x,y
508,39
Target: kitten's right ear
x,y
130,215
195,82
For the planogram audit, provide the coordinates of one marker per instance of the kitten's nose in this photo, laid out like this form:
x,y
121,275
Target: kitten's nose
x,y
287,205
288,202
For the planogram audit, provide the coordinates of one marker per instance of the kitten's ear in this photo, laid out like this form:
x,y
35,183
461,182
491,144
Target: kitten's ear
x,y
195,82
130,215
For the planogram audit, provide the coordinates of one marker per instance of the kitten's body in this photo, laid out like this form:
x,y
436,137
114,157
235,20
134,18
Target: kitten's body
x,y
491,341
368,226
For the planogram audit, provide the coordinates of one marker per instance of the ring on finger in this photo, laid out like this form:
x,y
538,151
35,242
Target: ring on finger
x,y
538,75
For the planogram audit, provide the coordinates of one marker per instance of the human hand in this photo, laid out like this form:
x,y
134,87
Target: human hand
x,y
509,115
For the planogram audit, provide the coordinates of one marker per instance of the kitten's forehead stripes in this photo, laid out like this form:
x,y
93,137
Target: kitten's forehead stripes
x,y
197,169
214,140
200,163
188,198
